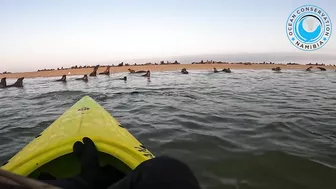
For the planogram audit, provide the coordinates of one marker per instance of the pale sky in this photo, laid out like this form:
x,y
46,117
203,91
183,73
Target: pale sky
x,y
38,34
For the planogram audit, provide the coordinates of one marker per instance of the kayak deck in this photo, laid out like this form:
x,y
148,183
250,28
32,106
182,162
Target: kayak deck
x,y
51,151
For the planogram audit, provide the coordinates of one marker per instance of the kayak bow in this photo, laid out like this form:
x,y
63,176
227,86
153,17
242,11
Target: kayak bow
x,y
51,151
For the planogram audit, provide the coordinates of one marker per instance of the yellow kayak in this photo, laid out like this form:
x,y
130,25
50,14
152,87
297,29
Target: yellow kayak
x,y
52,151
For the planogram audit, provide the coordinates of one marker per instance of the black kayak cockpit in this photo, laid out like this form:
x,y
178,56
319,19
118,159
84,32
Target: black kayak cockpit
x,y
68,166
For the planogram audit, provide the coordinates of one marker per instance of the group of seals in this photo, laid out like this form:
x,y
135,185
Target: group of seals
x,y
18,83
278,69
320,68
92,74
226,70
84,78
64,79
95,69
147,73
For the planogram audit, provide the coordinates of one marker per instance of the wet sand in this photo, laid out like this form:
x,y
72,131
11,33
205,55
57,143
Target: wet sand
x,y
158,68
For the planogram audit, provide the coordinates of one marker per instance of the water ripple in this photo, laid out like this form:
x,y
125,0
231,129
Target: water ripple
x,y
247,129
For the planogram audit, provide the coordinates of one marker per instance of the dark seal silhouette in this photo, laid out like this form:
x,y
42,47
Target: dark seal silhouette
x,y
94,72
85,78
309,68
18,83
184,71
106,72
322,69
63,79
277,69
147,74
3,82
133,71
227,70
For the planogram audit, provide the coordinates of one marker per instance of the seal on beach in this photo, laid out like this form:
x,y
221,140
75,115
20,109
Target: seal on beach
x,y
227,70
94,72
18,83
147,74
322,69
277,69
85,78
215,70
309,68
106,72
184,71
63,79
133,71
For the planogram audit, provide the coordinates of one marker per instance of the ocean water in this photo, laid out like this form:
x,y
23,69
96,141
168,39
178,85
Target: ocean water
x,y
248,129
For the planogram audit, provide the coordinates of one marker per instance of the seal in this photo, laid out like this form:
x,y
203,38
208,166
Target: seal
x,y
227,70
277,69
3,82
63,79
85,78
94,72
133,71
147,74
309,68
184,71
106,72
322,69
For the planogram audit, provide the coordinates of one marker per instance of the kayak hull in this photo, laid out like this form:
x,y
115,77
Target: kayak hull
x,y
52,152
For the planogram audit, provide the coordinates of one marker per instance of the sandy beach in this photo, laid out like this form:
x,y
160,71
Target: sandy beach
x,y
158,68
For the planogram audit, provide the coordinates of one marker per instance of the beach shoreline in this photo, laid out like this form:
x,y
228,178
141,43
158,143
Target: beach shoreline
x,y
160,68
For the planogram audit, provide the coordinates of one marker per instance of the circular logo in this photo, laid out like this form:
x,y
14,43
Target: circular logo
x,y
308,27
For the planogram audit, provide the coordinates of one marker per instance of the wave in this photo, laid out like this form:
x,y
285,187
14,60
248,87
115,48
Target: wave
x,y
250,129
270,169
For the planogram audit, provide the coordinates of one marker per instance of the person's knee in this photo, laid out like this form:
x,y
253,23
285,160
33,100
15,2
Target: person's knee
x,y
166,162
160,172
167,170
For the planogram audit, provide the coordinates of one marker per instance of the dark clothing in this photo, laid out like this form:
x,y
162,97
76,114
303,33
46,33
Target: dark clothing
x,y
70,183
157,173
107,176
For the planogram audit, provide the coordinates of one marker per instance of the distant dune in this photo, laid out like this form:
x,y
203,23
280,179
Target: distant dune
x,y
283,57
